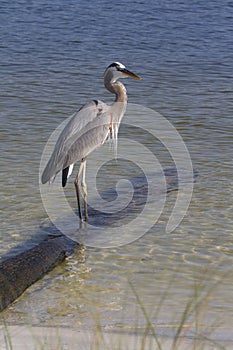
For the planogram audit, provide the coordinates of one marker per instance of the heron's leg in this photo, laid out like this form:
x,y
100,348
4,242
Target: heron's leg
x,y
76,183
84,188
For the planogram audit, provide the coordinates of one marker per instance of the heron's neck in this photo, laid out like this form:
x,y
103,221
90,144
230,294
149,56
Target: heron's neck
x,y
119,90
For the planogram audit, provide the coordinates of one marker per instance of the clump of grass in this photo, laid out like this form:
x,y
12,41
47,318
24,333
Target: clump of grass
x,y
190,319
188,332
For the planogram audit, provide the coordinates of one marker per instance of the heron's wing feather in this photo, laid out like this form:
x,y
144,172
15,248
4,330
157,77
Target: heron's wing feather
x,y
79,137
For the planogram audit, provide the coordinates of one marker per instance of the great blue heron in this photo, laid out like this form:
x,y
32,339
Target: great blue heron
x,y
86,130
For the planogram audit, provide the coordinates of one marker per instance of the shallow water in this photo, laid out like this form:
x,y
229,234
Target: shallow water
x,y
52,61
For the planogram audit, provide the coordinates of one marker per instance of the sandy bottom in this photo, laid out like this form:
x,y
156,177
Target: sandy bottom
x,y
51,338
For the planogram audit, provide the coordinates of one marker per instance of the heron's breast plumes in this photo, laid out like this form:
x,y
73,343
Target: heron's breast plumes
x,y
117,113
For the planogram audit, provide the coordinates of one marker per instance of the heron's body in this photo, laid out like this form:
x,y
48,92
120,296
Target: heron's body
x,y
77,140
88,129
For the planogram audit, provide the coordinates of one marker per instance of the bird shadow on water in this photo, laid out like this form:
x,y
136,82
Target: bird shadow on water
x,y
138,197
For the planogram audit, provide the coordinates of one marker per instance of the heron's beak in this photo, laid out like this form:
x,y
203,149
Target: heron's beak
x,y
130,74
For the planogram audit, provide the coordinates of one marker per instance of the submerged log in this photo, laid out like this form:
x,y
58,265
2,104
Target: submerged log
x,y
19,272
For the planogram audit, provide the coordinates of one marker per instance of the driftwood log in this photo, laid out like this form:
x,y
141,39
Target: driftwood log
x,y
19,272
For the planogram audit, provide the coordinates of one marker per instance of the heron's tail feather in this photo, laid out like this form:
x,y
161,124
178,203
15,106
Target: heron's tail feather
x,y
49,172
65,173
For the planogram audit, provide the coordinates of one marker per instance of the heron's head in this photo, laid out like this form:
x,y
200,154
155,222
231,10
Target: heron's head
x,y
117,71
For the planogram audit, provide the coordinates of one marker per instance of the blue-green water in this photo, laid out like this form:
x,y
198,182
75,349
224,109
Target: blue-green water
x,y
53,55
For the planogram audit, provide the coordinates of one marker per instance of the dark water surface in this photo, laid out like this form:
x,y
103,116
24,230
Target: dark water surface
x,y
53,55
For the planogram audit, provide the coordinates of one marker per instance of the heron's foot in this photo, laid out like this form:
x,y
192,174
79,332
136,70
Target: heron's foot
x,y
82,224
84,219
83,215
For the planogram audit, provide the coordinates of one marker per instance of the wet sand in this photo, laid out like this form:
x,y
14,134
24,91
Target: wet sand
x,y
54,338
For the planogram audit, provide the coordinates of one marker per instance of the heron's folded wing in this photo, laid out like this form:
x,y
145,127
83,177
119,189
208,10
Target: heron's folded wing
x,y
80,124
